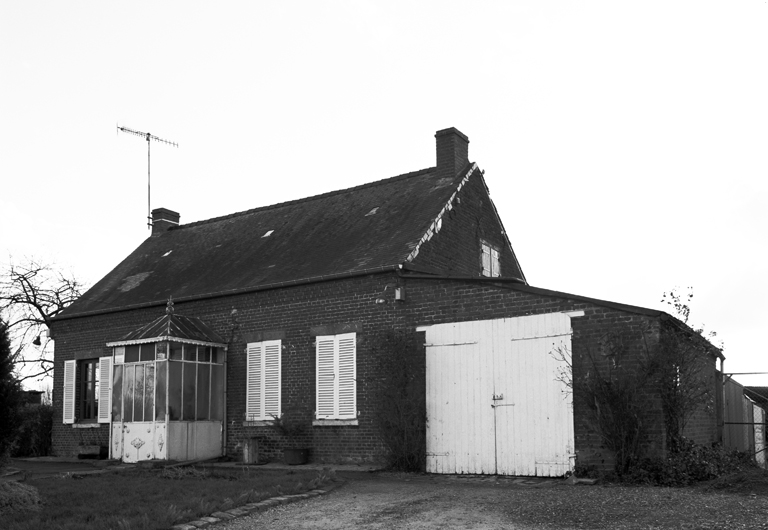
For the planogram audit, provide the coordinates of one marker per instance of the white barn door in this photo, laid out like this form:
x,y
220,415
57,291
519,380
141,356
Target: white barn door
x,y
495,404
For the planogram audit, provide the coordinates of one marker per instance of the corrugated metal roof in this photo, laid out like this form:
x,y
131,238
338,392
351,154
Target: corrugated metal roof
x,y
172,327
350,231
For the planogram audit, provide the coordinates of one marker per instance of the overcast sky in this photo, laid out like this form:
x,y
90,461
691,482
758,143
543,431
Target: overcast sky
x,y
625,144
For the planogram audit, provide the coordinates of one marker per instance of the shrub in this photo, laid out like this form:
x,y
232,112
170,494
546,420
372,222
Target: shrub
x,y
686,464
34,434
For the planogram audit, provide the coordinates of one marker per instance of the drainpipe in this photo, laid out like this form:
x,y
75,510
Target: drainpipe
x,y
224,418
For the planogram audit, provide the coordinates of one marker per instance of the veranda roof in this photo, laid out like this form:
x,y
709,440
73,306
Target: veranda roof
x,y
173,327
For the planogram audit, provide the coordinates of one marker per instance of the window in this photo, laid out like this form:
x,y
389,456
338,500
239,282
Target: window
x,y
490,260
87,390
337,377
263,381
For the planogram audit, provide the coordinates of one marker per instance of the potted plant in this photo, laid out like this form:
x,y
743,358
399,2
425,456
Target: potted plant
x,y
293,426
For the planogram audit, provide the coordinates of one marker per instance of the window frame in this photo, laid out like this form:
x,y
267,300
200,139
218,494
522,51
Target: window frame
x,y
263,385
77,395
336,356
493,269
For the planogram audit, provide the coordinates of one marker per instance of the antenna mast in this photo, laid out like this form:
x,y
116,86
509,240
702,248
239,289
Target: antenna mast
x,y
148,137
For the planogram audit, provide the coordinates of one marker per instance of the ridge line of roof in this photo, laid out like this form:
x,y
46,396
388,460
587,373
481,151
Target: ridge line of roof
x,y
305,199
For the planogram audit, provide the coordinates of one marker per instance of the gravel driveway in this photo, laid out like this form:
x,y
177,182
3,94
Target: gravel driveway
x,y
373,501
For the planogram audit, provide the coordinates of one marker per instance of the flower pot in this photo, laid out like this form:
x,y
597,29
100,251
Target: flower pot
x,y
295,457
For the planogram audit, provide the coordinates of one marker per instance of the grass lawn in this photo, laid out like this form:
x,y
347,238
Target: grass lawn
x,y
143,499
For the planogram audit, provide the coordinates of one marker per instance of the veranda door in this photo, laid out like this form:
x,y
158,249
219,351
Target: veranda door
x,y
142,433
495,401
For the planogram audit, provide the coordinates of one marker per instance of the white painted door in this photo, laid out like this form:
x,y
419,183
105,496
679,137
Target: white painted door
x,y
138,427
495,404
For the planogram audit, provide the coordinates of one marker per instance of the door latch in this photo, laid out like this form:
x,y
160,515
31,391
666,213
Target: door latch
x,y
498,397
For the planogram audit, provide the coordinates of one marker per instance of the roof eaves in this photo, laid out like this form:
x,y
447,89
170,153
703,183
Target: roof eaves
x,y
264,287
436,224
149,340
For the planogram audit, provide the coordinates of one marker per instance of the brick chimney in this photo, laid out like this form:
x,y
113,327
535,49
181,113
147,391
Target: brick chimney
x,y
163,219
452,152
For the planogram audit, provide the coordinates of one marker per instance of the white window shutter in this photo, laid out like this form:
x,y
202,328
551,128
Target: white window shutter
x,y
105,389
326,377
271,371
69,391
254,382
495,268
347,379
486,250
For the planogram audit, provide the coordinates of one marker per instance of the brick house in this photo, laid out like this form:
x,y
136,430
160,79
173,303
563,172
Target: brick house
x,y
281,309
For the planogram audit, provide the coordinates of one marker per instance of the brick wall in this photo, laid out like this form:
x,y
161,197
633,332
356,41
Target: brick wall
x,y
295,311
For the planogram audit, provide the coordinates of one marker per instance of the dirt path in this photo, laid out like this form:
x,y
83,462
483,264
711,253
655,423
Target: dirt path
x,y
381,501
385,502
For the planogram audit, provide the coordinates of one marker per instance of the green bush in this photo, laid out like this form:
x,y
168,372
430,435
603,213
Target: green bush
x,y
686,464
34,434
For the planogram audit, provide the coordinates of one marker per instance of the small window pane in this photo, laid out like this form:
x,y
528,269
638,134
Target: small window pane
x,y
117,393
149,394
188,397
189,352
217,355
217,392
147,352
174,391
138,394
132,354
176,351
128,393
161,380
203,391
205,354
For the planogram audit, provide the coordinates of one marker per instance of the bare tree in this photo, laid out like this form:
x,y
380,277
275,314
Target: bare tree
x,y
31,294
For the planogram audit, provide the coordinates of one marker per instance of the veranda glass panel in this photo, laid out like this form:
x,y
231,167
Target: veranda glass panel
x,y
161,381
132,354
138,394
204,354
203,391
147,352
149,387
174,391
128,384
176,348
117,393
188,395
190,352
217,392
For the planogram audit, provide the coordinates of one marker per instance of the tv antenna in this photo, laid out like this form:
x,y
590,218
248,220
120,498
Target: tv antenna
x,y
148,137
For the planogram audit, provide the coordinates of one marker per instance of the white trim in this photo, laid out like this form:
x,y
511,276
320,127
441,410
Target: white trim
x,y
574,314
165,338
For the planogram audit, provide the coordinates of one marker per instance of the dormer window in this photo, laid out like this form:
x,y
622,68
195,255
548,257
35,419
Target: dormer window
x,y
490,260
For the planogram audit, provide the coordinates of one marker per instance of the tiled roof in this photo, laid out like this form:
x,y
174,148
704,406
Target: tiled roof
x,y
365,228
172,327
